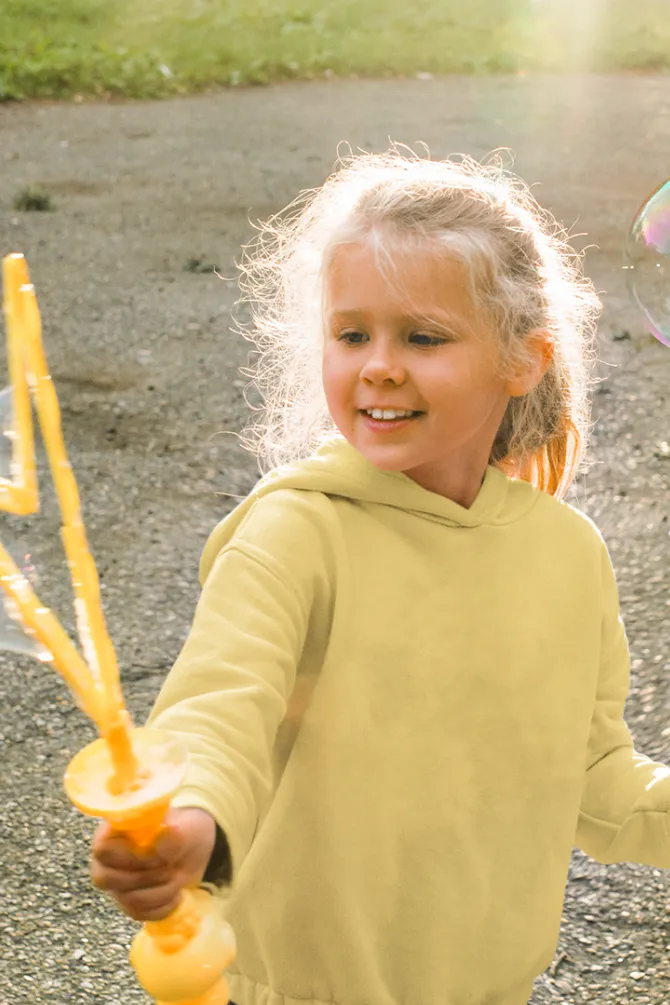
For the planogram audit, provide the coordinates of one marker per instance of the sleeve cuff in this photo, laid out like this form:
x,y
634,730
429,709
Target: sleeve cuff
x,y
219,871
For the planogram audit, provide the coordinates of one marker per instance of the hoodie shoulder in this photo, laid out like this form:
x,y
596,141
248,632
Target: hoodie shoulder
x,y
572,523
284,529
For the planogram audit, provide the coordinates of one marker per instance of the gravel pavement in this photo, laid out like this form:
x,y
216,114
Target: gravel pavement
x,y
147,375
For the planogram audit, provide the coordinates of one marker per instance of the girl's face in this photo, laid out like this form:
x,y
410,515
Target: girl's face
x,y
427,349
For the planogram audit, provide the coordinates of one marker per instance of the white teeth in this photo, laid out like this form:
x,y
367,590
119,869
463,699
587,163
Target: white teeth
x,y
386,413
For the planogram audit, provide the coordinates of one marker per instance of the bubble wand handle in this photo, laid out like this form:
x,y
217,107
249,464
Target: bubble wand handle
x,y
128,776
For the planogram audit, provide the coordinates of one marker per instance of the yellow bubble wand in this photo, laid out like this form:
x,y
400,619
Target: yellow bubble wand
x,y
129,775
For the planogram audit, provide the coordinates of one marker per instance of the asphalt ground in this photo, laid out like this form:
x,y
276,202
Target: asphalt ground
x,y
147,374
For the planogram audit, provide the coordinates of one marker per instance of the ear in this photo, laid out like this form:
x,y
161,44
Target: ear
x,y
541,346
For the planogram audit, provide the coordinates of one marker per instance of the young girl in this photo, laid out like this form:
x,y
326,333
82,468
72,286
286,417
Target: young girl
x,y
404,686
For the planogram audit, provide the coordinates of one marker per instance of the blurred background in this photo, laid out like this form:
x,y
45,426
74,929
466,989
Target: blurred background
x,y
150,48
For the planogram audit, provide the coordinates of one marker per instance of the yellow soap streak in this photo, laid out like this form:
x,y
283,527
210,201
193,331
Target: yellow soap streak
x,y
18,496
96,685
182,958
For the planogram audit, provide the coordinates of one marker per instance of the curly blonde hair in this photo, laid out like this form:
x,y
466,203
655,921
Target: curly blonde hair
x,y
523,272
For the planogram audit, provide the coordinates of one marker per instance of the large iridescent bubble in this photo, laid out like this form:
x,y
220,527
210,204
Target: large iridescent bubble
x,y
647,262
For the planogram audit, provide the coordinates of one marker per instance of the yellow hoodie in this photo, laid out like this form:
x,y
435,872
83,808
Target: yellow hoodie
x,y
403,714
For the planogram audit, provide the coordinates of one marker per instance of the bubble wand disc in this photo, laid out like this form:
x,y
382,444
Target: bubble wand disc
x,y
129,775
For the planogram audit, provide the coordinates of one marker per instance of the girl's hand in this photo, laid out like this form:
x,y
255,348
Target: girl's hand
x,y
146,884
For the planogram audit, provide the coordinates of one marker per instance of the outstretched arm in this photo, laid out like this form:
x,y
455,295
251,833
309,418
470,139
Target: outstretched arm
x,y
231,686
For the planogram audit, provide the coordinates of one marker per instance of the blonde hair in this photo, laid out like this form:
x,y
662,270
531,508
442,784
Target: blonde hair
x,y
523,272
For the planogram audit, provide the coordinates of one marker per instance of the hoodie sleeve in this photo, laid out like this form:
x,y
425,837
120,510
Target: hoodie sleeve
x,y
625,809
228,691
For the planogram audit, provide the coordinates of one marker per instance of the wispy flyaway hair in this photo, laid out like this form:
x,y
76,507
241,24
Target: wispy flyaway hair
x,y
523,271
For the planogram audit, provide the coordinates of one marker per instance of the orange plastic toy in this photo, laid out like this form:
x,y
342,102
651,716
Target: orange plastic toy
x,y
129,775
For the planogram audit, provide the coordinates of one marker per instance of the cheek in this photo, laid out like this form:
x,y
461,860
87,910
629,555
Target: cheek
x,y
335,384
438,385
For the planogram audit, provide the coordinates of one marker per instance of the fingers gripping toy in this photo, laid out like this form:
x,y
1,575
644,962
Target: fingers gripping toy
x,y
129,775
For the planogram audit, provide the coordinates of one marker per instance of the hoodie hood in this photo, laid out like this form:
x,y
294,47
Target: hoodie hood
x,y
337,468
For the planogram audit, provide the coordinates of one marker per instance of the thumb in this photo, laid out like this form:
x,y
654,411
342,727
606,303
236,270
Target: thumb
x,y
103,833
170,843
181,829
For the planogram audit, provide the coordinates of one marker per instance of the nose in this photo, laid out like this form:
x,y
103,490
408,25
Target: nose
x,y
381,365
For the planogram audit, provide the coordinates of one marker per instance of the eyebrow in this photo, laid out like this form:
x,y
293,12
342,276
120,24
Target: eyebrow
x,y
436,317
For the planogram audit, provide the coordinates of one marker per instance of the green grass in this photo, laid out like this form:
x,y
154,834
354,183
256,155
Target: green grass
x,y
151,48
33,199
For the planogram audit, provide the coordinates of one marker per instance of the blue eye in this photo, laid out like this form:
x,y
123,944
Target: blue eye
x,y
432,339
346,335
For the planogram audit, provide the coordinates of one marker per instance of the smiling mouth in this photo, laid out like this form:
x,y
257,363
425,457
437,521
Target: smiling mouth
x,y
389,415
381,424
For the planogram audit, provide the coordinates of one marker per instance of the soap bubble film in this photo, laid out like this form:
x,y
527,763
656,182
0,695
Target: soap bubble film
x,y
647,262
7,433
14,637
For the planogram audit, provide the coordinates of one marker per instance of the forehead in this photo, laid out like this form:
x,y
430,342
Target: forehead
x,y
402,281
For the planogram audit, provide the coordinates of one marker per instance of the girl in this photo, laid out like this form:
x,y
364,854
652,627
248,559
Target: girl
x,y
404,686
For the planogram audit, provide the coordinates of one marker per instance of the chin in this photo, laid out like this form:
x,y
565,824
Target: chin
x,y
386,459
